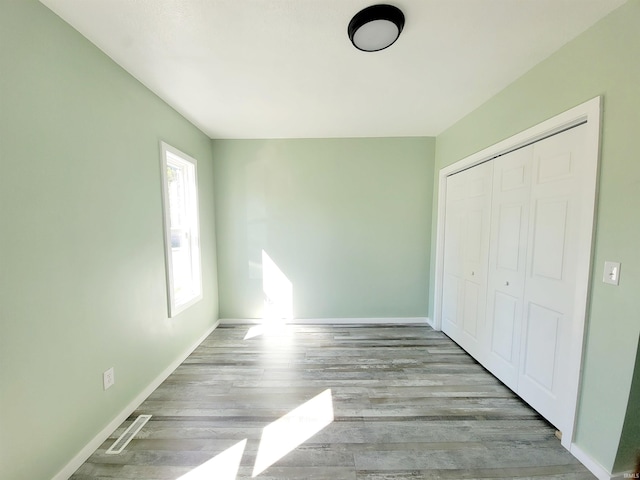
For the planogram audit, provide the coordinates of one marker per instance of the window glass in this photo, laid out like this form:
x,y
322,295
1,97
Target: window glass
x,y
182,233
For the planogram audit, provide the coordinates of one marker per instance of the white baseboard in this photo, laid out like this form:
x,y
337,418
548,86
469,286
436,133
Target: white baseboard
x,y
333,321
93,445
593,466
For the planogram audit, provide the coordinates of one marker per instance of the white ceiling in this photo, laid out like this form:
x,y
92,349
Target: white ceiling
x,y
286,68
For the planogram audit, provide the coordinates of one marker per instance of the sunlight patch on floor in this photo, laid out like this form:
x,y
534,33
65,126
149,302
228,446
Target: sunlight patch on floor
x,y
288,432
254,331
223,466
269,329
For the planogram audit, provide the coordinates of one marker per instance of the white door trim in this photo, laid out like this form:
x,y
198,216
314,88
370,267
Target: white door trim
x,y
589,112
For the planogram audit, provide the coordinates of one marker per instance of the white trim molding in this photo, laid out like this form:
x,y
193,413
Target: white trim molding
x,y
594,467
331,321
84,454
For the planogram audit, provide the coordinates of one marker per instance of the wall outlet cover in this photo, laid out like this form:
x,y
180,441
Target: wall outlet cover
x,y
108,378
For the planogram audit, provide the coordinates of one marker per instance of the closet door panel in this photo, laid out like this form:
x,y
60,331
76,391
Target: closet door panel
x,y
549,237
453,276
474,261
471,300
451,292
551,274
505,325
541,346
467,217
476,257
507,263
509,227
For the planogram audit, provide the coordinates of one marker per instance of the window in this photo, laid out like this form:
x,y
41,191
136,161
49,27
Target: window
x,y
182,232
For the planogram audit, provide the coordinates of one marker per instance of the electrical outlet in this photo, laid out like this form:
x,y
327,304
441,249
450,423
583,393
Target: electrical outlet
x,y
108,378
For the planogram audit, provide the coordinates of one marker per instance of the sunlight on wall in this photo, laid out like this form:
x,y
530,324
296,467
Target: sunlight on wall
x,y
223,466
288,432
278,291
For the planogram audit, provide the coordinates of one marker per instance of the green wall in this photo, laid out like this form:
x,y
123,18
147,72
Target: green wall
x,y
82,279
630,440
347,221
602,61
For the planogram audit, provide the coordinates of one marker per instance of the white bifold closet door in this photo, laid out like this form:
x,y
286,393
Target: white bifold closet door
x,y
550,292
465,266
512,306
507,263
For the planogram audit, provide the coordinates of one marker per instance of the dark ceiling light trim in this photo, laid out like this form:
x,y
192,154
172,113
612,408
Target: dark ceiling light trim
x,y
376,27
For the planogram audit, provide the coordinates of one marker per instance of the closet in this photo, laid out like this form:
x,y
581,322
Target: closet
x,y
509,287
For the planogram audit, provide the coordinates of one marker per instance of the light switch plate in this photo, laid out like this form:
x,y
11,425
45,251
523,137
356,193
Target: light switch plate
x,y
611,273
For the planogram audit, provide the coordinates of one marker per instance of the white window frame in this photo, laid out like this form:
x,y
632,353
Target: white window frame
x,y
173,156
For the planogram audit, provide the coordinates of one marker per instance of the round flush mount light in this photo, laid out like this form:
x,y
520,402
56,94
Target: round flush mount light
x,y
376,27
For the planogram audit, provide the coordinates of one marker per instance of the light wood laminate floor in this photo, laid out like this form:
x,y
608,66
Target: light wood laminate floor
x,y
407,403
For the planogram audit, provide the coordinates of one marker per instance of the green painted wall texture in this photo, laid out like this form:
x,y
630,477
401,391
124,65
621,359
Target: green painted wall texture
x,y
347,221
82,279
601,61
630,439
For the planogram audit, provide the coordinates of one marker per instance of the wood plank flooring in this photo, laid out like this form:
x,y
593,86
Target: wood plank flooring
x,y
407,402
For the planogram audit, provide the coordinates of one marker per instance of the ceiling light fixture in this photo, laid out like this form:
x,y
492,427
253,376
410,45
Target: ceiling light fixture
x,y
376,27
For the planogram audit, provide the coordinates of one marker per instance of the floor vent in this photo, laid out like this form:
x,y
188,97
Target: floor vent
x,y
128,435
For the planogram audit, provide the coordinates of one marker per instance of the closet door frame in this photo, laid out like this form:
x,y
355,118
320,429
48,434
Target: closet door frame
x,y
590,113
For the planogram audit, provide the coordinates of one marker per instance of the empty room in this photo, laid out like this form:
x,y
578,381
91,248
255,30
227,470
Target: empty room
x,y
319,239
